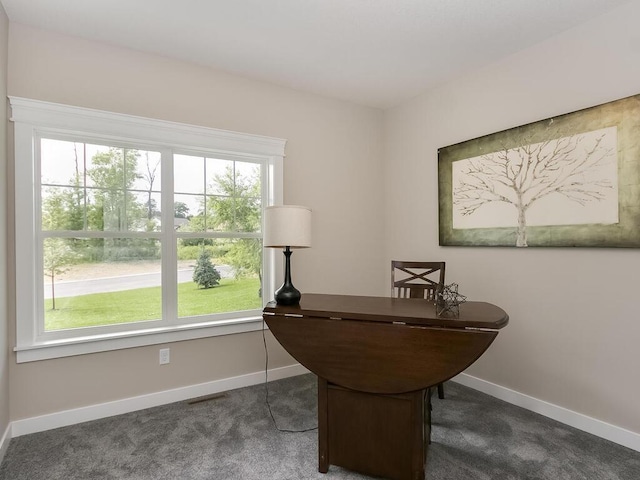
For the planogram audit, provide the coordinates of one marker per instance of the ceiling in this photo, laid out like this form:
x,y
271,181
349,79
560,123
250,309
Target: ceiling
x,y
371,52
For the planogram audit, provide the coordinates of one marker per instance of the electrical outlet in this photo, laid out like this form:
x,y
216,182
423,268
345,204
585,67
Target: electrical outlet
x,y
165,356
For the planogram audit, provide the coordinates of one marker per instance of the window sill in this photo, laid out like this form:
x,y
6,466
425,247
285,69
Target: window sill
x,y
108,342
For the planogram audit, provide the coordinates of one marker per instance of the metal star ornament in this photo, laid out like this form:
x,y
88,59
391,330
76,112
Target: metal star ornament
x,y
448,301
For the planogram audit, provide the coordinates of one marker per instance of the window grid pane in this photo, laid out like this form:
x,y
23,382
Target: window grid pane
x,y
218,275
98,187
102,188
95,282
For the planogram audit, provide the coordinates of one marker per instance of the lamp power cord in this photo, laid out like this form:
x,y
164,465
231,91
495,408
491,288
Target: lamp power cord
x,y
266,389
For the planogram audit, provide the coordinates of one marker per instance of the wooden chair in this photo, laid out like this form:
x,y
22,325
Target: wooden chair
x,y
417,280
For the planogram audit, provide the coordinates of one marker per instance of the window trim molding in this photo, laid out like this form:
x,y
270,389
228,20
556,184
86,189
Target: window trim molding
x,y
140,338
30,117
161,132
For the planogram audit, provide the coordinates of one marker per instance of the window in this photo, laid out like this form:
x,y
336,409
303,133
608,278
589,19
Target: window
x,y
133,231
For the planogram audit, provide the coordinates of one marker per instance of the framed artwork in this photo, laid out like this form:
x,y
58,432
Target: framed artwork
x,y
566,181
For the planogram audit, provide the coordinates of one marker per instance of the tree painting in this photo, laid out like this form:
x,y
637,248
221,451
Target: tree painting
x,y
536,183
571,180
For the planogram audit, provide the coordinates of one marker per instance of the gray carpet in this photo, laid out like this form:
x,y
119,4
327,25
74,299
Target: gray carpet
x,y
475,436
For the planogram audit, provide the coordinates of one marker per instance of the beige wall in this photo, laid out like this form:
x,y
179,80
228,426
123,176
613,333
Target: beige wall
x,y
333,165
4,345
573,334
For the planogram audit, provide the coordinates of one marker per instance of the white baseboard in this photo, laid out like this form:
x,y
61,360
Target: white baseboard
x,y
582,422
118,407
4,442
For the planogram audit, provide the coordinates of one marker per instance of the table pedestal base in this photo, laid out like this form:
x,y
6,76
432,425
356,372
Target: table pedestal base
x,y
379,435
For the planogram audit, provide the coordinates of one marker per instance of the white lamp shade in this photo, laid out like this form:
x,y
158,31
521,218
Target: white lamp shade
x,y
287,226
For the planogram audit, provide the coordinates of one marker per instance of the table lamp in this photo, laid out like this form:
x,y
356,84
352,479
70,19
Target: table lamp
x,y
287,227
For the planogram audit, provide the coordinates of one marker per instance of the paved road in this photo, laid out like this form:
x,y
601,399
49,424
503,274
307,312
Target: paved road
x,y
125,282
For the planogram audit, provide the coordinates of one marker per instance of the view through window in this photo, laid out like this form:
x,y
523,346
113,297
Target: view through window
x,y
102,225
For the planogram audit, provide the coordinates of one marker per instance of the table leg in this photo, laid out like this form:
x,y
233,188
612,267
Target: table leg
x,y
323,430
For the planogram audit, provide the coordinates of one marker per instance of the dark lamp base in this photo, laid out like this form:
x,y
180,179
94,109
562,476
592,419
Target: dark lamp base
x,y
287,295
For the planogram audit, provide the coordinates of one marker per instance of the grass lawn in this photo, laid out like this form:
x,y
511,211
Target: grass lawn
x,y
146,304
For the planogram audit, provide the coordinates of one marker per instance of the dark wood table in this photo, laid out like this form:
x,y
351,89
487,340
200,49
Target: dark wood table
x,y
376,358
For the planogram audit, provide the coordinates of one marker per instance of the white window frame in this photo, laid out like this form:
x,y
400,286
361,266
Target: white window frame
x,y
34,118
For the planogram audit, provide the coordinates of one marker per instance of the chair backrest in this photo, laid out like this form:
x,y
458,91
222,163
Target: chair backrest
x,y
416,279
